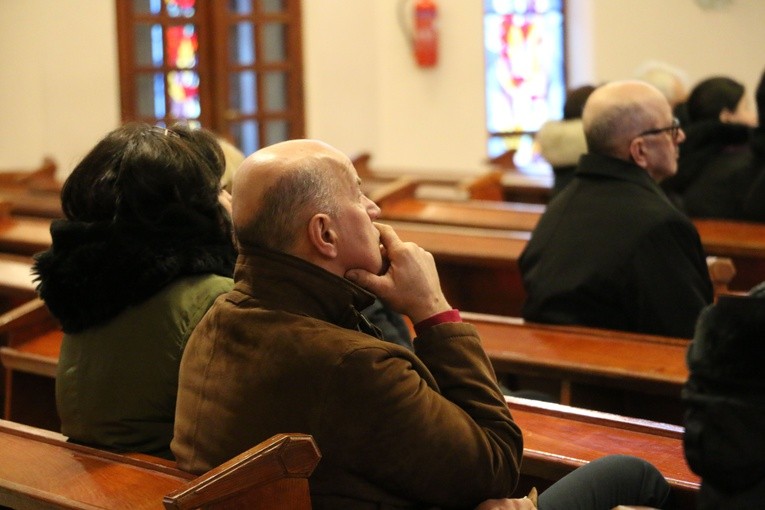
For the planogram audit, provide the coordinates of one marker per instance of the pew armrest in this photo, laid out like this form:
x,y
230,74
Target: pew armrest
x,y
271,475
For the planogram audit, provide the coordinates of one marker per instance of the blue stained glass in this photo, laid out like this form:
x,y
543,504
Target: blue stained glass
x,y
157,52
159,96
180,8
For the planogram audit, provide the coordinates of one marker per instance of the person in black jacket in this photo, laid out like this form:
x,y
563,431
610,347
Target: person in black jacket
x,y
610,250
716,148
725,402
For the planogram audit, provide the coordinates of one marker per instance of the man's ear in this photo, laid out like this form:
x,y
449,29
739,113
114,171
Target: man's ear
x,y
638,152
322,236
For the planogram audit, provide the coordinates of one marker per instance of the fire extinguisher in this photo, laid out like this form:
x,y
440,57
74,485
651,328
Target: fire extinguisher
x,y
425,38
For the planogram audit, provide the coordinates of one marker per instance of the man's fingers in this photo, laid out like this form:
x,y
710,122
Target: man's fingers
x,y
388,236
361,278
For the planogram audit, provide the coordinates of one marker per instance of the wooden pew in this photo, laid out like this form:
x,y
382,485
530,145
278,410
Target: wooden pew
x,y
41,471
620,372
478,269
743,243
558,439
16,281
485,185
33,192
23,235
30,343
555,442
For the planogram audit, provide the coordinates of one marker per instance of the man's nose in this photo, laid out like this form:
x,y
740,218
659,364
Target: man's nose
x,y
372,209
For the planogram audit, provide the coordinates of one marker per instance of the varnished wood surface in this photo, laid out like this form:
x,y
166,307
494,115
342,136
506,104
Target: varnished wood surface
x,y
39,470
743,242
639,362
478,269
24,235
469,213
620,372
462,244
16,276
558,439
273,475
25,202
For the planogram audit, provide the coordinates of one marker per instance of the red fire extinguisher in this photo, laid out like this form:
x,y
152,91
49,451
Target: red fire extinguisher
x,y
425,33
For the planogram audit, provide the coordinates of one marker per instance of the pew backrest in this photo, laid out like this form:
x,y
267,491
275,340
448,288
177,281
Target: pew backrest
x,y
40,470
559,439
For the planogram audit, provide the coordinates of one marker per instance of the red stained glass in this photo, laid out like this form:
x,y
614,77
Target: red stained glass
x,y
182,46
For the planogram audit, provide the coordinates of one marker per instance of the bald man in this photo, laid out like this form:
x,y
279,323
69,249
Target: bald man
x,y
611,251
288,351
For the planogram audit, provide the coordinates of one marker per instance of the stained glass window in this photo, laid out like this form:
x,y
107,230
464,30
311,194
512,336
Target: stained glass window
x,y
525,82
232,66
169,85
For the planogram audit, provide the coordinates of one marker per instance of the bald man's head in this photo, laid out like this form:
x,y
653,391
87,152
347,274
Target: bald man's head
x,y
617,112
278,188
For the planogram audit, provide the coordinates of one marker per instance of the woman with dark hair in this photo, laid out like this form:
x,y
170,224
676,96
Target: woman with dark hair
x,y
144,249
707,183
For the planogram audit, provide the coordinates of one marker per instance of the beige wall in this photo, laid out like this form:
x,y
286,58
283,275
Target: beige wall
x,y
59,90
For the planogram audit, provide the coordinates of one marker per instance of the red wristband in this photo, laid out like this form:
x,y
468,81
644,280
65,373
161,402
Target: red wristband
x,y
452,315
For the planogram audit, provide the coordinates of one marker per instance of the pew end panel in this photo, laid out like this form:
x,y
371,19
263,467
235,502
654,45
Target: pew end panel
x,y
36,192
16,281
272,475
31,340
487,186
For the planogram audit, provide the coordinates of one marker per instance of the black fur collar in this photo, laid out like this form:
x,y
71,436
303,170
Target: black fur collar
x,y
94,271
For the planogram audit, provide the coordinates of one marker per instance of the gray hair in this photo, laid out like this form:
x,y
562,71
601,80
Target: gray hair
x,y
610,132
287,206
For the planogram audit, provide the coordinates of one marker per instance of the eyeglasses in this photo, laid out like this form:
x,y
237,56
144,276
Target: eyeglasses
x,y
674,129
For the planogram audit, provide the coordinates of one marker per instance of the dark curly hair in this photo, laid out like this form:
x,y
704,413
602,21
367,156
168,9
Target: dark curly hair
x,y
138,173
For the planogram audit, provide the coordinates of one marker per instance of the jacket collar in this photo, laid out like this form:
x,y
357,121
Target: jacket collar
x,y
279,281
598,165
93,271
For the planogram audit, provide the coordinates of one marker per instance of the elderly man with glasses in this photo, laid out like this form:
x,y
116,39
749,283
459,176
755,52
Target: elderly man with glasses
x,y
611,251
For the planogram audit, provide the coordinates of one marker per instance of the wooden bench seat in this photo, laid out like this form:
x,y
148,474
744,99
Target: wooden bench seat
x,y
32,192
23,235
39,470
620,372
558,439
